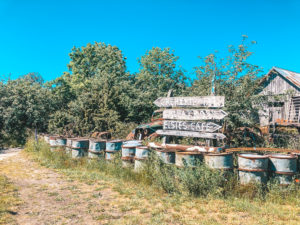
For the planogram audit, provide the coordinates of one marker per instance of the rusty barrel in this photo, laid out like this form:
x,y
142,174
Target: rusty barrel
x,y
96,148
80,147
141,154
253,168
128,152
283,167
57,143
185,158
221,161
112,147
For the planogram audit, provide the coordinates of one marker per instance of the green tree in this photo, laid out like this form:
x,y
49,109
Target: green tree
x,y
236,79
159,72
25,105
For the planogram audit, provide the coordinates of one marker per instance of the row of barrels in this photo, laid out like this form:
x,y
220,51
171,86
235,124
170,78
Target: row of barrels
x,y
251,167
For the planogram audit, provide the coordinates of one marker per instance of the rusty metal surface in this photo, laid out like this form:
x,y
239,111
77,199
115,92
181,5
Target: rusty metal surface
x,y
142,152
289,75
252,149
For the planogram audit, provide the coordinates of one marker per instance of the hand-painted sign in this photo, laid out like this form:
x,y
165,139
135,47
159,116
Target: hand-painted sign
x,y
194,114
191,134
201,101
190,126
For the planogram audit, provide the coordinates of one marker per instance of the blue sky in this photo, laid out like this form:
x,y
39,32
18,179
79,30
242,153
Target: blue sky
x,y
36,36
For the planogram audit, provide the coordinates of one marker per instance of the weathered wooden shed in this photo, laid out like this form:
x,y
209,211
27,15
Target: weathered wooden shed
x,y
282,87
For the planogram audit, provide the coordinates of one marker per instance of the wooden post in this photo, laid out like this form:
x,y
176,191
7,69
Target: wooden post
x,y
166,138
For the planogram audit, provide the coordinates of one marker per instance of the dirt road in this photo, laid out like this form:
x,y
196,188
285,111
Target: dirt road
x,y
52,198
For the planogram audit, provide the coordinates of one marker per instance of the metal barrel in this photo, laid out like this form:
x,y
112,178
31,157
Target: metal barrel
x,y
166,155
110,155
114,145
221,161
128,152
142,152
253,168
283,167
191,159
69,145
96,148
298,161
57,143
79,147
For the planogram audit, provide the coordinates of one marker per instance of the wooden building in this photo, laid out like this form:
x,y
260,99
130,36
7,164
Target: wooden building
x,y
282,88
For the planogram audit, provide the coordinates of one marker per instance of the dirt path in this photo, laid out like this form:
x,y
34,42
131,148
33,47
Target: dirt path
x,y
50,197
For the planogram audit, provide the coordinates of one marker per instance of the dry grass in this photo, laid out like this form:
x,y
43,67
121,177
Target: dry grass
x,y
9,201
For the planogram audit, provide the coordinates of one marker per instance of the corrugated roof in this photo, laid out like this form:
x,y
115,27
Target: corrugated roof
x,y
293,77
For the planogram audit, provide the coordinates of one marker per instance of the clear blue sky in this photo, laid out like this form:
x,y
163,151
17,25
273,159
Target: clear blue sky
x,y
36,36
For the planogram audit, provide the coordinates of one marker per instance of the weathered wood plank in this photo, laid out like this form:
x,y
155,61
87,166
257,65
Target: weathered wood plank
x,y
194,114
191,134
190,126
200,101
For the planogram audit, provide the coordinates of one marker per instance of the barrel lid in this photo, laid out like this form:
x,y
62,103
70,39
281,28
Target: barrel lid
x,y
114,141
253,156
142,147
97,140
282,156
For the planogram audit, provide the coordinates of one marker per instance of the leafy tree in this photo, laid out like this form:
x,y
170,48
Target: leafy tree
x,y
158,74
236,79
25,104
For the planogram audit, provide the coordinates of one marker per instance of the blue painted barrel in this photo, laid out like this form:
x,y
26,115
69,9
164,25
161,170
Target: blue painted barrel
x,y
283,167
253,168
96,148
80,148
221,161
166,155
141,154
69,145
128,152
114,145
190,159
57,143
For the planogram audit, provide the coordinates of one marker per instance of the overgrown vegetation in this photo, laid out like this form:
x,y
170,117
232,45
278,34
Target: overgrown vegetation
x,y
198,182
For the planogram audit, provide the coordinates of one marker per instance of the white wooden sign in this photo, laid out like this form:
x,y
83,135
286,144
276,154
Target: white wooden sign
x,y
200,101
194,114
191,134
190,126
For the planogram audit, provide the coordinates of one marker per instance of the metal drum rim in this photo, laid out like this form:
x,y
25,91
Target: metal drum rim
x,y
253,156
219,154
281,156
190,153
252,170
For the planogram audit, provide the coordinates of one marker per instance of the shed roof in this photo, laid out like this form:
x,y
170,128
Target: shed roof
x,y
292,77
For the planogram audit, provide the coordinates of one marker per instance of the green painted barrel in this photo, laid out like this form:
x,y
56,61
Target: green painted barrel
x,y
57,143
283,167
253,168
80,148
96,148
220,161
190,159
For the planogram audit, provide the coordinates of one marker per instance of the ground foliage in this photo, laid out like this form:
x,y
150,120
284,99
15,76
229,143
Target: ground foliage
x,y
99,94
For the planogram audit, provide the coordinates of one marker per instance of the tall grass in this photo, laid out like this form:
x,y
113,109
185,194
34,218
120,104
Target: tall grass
x,y
199,181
